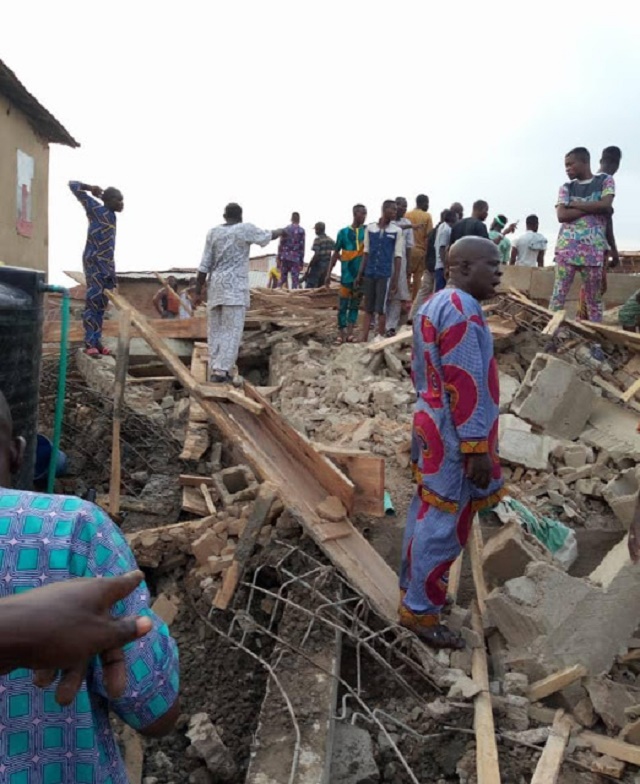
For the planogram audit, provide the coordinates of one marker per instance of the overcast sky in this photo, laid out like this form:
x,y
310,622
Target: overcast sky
x,y
313,107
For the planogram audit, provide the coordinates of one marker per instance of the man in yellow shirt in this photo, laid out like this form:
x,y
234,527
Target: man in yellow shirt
x,y
422,227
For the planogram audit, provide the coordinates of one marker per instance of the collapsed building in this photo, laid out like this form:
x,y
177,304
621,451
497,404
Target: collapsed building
x,y
264,521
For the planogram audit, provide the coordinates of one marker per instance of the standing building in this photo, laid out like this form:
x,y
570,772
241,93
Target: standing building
x,y
26,131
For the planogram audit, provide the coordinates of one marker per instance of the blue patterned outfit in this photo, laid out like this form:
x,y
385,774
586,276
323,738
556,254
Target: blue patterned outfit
x,y
98,262
455,376
45,539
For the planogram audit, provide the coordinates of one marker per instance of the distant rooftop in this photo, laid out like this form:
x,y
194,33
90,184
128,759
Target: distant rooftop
x,y
40,119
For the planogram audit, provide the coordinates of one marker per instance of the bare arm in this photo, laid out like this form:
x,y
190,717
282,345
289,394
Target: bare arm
x,y
514,255
156,301
541,258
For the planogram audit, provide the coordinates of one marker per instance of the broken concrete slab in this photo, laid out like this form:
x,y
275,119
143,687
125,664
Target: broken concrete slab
x,y
610,699
613,429
353,761
207,744
507,554
509,386
622,495
564,620
554,398
519,446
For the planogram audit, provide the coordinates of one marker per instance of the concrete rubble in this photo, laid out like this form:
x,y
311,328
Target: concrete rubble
x,y
570,451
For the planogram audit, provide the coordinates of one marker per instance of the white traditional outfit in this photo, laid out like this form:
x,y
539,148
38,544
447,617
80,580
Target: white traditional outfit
x,y
402,294
226,262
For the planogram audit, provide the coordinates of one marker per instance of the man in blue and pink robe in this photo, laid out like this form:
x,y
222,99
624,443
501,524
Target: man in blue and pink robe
x,y
455,434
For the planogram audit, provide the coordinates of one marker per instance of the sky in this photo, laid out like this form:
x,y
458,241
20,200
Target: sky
x,y
314,107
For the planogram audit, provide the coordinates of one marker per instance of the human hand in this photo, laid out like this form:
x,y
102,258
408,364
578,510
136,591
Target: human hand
x,y
96,191
478,470
63,625
615,259
511,228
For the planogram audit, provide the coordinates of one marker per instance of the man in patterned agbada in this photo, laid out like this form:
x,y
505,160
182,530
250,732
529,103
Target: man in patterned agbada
x,y
455,434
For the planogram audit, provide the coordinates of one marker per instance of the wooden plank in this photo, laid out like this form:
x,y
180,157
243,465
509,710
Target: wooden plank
x,y
548,767
208,500
487,764
192,480
632,391
246,543
193,501
403,336
122,363
303,476
554,323
475,551
179,329
226,392
366,471
556,682
612,747
332,531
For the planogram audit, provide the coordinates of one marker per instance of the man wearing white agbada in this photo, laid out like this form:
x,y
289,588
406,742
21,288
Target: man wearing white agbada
x,y
226,263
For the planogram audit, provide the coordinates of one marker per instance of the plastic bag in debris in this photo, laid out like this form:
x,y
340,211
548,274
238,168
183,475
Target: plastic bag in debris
x,y
557,537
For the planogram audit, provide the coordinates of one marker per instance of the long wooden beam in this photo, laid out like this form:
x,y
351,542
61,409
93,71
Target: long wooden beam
x,y
487,762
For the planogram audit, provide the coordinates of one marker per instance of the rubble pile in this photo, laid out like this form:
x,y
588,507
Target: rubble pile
x,y
286,665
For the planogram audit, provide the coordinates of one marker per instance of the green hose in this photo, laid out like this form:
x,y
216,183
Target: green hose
x,y
62,381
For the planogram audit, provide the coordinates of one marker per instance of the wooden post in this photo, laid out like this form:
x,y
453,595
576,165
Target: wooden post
x,y
122,364
548,767
487,763
454,578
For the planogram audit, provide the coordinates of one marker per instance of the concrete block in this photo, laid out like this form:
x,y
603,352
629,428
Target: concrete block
x,y
566,620
235,484
519,446
166,608
508,389
554,398
612,429
507,554
609,700
622,495
576,455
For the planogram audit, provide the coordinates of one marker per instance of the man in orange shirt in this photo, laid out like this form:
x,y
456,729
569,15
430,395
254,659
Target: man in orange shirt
x,y
422,222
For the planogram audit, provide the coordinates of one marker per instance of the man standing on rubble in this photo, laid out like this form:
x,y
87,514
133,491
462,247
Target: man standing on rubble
x,y
422,221
44,540
98,257
455,434
349,250
402,298
291,252
226,262
584,205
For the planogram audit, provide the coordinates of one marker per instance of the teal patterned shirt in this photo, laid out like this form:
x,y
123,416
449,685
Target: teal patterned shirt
x,y
44,539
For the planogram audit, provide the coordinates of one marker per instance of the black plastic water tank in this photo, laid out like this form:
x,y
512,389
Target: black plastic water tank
x,y
20,356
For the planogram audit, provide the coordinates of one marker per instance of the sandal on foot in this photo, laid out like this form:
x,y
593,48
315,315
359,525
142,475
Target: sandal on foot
x,y
92,351
338,341
351,339
105,351
439,637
